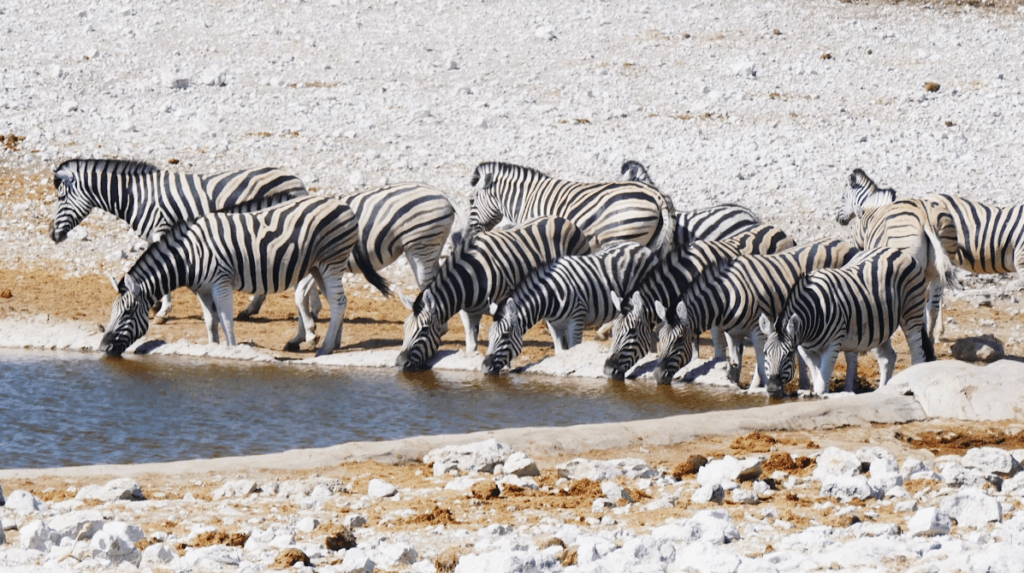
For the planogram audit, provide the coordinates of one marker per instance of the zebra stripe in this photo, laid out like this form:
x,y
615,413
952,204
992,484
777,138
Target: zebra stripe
x,y
989,239
262,252
570,293
731,296
633,331
152,201
483,269
849,310
605,212
705,224
923,228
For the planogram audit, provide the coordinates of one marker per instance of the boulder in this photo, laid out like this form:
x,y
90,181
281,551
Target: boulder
x,y
115,542
235,488
157,555
978,349
476,456
728,471
615,492
213,557
962,391
122,488
849,488
835,462
78,524
22,502
707,493
38,536
356,561
379,488
928,522
521,465
991,460
393,556
972,507
713,526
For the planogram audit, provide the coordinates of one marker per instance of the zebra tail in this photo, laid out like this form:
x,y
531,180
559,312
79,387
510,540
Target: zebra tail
x,y
927,345
363,262
943,264
666,239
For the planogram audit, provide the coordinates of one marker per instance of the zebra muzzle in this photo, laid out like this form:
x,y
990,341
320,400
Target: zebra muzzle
x,y
56,235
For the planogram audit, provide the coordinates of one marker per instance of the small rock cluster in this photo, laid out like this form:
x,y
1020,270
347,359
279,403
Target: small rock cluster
x,y
848,510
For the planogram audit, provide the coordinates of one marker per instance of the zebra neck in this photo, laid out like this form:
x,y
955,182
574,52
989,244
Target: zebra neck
x,y
162,269
126,199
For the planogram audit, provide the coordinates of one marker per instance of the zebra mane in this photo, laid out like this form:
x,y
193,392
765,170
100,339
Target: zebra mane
x,y
860,180
707,277
110,165
458,249
798,287
499,168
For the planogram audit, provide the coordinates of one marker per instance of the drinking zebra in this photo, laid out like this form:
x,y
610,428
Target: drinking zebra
x,y
152,201
633,330
703,224
990,239
605,212
731,295
570,293
410,218
483,269
851,309
922,227
262,252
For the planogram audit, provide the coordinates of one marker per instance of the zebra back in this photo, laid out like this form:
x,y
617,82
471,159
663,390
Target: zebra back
x,y
715,223
989,239
635,171
606,212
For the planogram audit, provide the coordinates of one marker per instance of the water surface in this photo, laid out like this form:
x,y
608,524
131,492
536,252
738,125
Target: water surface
x,y
64,409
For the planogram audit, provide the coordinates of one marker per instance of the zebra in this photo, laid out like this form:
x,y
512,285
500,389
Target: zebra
x,y
605,212
483,269
705,224
990,239
731,295
851,309
152,201
633,329
260,252
922,227
410,218
571,293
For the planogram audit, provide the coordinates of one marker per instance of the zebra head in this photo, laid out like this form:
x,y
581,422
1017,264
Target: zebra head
x,y
73,201
675,341
635,171
632,335
505,339
423,331
860,195
485,204
129,318
779,351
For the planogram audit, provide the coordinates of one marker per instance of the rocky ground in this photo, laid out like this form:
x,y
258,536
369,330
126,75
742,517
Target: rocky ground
x,y
766,104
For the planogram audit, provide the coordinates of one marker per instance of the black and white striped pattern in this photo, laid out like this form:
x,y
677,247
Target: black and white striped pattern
x,y
410,218
483,269
731,296
152,201
705,224
990,239
570,293
262,252
605,212
850,310
921,227
633,331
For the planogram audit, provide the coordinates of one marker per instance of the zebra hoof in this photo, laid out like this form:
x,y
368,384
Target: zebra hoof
x,y
244,316
292,346
159,319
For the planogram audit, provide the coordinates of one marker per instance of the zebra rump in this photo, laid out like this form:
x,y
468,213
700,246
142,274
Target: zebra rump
x,y
260,253
570,293
483,270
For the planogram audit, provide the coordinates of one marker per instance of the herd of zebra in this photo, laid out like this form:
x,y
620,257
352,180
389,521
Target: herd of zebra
x,y
574,254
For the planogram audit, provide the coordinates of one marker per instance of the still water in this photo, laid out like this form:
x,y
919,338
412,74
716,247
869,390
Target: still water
x,y
64,409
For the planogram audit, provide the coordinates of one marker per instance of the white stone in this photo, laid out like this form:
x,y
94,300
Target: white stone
x,y
615,492
837,462
729,470
928,522
78,524
978,349
213,557
707,493
69,106
847,488
714,526
885,482
307,524
157,554
391,556
744,497
477,456
38,536
379,488
545,33
354,520
913,465
602,470
122,488
116,543
959,390
991,460
212,76
521,465
972,507
356,560
235,488
22,502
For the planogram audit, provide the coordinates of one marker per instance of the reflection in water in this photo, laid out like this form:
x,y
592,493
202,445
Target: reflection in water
x,y
72,409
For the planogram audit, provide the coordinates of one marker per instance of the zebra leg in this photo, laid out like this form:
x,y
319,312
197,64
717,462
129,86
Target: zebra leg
x,y
759,378
224,300
604,331
803,369
255,304
813,361
851,372
933,317
165,309
735,357
304,294
886,361
330,282
559,335
718,340
209,315
828,364
471,324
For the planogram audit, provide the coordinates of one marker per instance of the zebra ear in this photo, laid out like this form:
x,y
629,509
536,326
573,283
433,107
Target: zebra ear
x,y
428,299
766,324
407,300
792,326
681,316
131,285
660,310
636,300
493,308
616,301
115,283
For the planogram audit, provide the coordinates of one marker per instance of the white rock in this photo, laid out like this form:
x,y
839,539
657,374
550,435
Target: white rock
x,y
521,465
928,522
847,488
357,560
212,76
615,492
601,470
707,558
379,488
991,460
744,497
729,470
837,462
307,524
78,524
391,556
38,536
972,507
714,526
213,557
354,520
477,456
913,466
122,488
116,543
545,33
978,349
22,502
707,493
68,107
157,554
235,488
